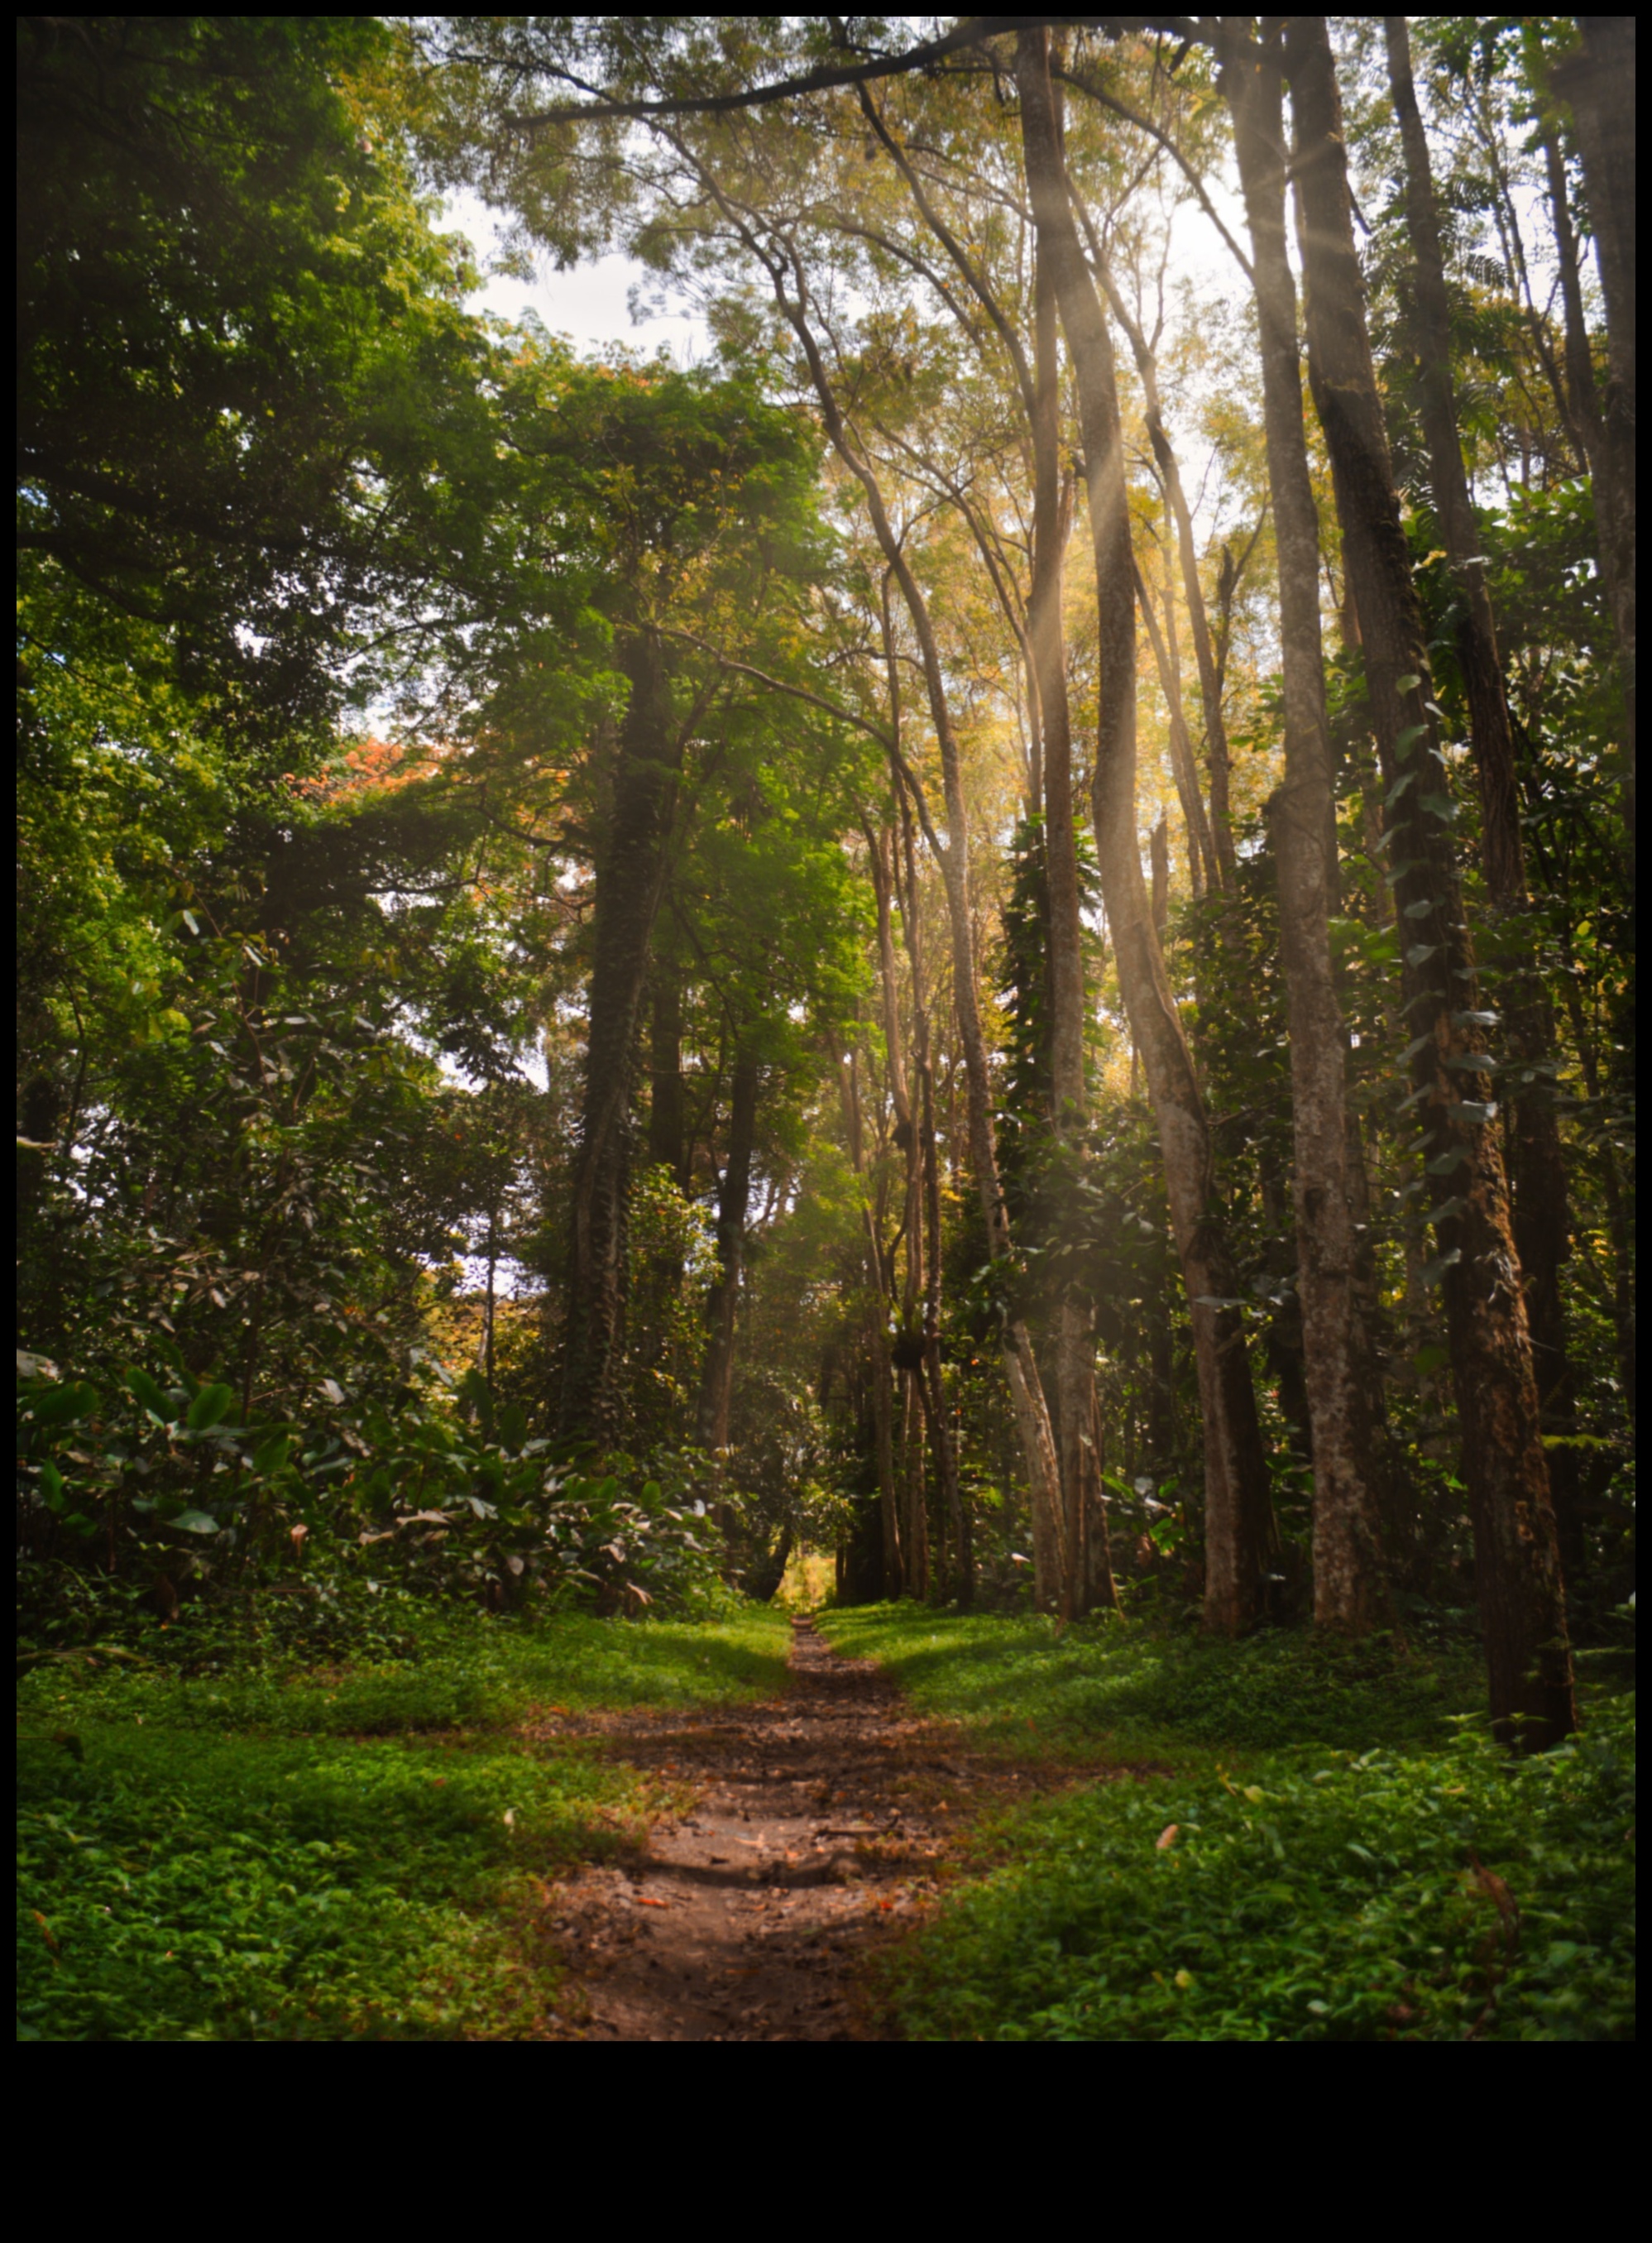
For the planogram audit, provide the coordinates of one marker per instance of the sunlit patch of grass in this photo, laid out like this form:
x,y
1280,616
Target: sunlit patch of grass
x,y
1107,1688
362,1852
1299,1840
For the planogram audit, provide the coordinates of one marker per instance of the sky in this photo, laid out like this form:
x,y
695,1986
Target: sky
x,y
588,305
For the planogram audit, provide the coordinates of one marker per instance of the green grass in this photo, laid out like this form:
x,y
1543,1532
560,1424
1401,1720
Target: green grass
x,y
1350,1857
1138,1695
360,1853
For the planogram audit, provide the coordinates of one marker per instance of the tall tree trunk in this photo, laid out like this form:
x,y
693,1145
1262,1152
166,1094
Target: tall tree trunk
x,y
722,1303
914,1523
911,1537
876,1350
1217,756
1074,1349
1579,399
667,1145
1238,1514
1599,82
630,879
1021,1369
1517,1565
932,1385
1537,1166
1201,855
1348,1586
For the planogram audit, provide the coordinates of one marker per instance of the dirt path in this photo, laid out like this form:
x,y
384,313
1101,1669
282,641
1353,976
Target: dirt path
x,y
820,1820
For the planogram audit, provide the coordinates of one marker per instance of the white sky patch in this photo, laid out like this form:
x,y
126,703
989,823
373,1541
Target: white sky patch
x,y
591,304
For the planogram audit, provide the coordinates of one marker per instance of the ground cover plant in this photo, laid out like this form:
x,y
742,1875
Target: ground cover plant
x,y
221,1847
1294,1842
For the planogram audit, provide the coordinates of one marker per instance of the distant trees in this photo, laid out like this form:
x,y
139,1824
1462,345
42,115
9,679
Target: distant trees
x,y
893,981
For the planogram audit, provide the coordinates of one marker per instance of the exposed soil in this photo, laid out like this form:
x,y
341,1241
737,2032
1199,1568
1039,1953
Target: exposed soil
x,y
819,1824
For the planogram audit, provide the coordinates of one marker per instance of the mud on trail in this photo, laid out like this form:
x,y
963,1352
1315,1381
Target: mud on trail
x,y
819,1822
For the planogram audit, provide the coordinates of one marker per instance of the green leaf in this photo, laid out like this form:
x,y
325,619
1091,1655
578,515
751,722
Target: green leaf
x,y
144,1389
195,1522
1433,1271
209,1408
64,1404
270,1456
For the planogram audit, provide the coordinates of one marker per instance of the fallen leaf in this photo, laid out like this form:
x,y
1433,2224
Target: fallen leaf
x,y
644,1900
1166,1838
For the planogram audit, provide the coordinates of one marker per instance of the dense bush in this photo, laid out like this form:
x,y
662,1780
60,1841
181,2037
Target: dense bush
x,y
149,1490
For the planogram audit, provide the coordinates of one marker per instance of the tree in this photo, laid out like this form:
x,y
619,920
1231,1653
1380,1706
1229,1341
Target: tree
x,y
1348,1589
1517,1566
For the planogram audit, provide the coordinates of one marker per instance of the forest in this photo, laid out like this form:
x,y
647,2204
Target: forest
x,y
825,1142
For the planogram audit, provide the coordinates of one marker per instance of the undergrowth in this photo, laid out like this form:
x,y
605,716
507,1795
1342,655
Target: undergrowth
x,y
220,1849
1300,1841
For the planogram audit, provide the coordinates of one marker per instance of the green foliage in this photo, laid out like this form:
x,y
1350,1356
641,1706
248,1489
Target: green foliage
x,y
1455,1895
247,1852
412,1490
1352,1858
240,355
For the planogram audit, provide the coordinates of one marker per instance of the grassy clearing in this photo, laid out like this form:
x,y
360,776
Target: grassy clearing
x,y
1316,1844
245,1852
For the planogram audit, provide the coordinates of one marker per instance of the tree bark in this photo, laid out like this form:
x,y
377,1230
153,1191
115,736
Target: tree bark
x,y
1219,834
667,1145
1536,1165
1088,1579
1238,1513
630,879
1517,1566
912,1519
722,1303
1599,82
932,1385
1201,855
1349,1592
1579,401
